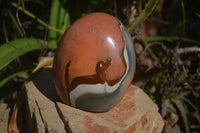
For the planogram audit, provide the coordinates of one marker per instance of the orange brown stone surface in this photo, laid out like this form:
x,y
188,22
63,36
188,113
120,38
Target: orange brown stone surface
x,y
135,113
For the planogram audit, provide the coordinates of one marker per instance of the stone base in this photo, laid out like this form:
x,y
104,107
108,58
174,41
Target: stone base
x,y
44,112
4,117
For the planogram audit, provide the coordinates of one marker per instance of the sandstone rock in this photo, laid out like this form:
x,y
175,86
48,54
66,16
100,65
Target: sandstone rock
x,y
135,113
46,113
4,117
40,95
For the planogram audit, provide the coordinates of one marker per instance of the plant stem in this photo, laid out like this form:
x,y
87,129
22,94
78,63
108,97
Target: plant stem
x,y
37,19
150,6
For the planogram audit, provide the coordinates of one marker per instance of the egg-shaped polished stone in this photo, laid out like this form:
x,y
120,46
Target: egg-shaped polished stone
x,y
94,63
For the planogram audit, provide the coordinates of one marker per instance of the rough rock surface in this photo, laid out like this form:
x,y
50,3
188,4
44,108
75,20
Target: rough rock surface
x,y
4,116
134,113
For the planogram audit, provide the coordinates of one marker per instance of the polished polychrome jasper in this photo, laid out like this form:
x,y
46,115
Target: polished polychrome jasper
x,y
94,63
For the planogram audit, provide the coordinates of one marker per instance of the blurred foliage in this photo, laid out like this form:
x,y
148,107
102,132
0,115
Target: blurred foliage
x,y
173,76
167,47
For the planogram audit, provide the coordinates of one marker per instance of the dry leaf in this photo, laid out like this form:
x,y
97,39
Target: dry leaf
x,y
46,62
12,127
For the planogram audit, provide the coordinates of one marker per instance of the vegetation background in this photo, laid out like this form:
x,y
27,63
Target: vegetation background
x,y
166,34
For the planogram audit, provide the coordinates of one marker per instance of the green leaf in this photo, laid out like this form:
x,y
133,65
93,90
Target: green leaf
x,y
13,49
9,74
169,38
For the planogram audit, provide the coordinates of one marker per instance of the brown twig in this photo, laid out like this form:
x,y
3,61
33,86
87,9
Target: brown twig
x,y
45,38
17,17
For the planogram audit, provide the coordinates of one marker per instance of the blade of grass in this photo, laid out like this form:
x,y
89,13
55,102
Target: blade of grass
x,y
55,6
183,13
169,38
59,18
13,49
64,22
9,74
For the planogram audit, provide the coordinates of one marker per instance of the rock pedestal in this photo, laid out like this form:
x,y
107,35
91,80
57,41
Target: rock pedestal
x,y
4,116
44,112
